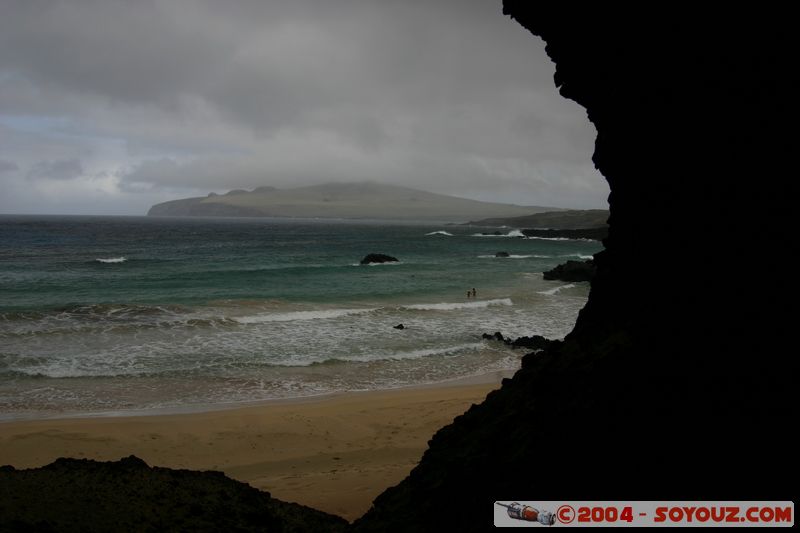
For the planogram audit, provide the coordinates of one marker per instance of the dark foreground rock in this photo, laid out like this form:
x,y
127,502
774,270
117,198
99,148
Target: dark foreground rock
x,y
128,495
378,258
572,271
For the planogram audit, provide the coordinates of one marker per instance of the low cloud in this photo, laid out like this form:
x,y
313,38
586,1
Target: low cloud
x,y
180,97
64,169
7,166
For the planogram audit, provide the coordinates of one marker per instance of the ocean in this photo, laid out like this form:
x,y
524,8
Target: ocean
x,y
117,315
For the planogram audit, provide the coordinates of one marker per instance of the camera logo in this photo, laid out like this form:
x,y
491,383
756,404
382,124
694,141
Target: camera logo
x,y
529,514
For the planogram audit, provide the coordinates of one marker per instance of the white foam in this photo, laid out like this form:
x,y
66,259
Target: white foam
x,y
376,264
557,289
440,233
416,354
512,233
579,256
300,315
112,260
508,256
445,306
411,354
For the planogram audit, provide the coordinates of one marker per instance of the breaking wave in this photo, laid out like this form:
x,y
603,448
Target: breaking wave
x,y
556,290
411,354
300,315
445,306
513,233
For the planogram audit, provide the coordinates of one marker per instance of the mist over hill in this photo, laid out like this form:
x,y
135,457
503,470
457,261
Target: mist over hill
x,y
342,200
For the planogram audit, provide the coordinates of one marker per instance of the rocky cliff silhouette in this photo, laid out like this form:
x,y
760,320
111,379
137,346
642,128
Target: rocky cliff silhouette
x,y
677,380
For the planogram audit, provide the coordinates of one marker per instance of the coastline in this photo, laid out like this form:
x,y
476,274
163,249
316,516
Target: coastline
x,y
335,453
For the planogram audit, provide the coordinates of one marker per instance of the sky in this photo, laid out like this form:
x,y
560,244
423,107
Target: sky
x,y
111,106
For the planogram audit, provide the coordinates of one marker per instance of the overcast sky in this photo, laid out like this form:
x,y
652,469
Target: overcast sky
x,y
110,106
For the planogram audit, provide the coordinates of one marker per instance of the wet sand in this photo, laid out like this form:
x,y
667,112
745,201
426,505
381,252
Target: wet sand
x,y
334,453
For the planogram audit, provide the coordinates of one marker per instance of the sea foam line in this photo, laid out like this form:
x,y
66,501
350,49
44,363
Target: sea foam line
x,y
440,233
300,315
411,354
111,260
557,289
446,306
509,256
512,233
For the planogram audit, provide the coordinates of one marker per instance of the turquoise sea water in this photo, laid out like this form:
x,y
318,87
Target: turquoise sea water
x,y
110,314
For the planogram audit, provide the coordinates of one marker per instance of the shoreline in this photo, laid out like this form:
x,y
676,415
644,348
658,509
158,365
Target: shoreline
x,y
335,453
477,379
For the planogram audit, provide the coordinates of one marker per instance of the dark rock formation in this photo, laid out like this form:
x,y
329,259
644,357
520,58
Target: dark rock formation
x,y
496,337
128,495
691,110
502,254
378,258
399,326
572,271
595,234
536,342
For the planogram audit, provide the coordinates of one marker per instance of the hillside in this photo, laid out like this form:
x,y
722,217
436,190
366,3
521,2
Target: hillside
x,y
565,219
341,200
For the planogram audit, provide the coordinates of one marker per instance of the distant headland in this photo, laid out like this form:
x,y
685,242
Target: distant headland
x,y
342,200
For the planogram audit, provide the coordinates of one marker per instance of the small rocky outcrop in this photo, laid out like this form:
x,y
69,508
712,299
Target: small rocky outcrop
x,y
572,271
536,342
502,254
496,337
399,326
378,258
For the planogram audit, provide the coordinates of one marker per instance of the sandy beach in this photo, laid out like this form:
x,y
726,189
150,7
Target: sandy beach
x,y
335,453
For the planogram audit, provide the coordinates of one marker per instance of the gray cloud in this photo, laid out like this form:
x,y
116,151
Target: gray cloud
x,y
64,169
180,96
7,166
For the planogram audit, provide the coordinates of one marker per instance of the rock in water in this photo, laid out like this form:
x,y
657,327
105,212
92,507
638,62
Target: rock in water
x,y
399,326
502,254
572,271
496,337
378,258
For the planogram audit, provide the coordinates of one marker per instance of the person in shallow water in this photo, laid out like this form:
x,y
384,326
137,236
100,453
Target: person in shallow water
x,y
474,293
469,293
